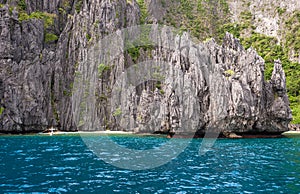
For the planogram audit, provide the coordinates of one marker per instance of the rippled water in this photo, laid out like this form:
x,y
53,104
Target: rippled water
x,y
65,164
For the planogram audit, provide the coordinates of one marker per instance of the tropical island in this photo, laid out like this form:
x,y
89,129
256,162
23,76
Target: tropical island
x,y
90,89
246,82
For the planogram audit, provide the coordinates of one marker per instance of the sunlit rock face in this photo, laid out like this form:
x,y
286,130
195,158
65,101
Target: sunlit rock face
x,y
199,85
36,76
182,86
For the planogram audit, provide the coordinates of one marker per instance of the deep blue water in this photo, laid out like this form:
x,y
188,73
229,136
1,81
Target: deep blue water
x,y
64,164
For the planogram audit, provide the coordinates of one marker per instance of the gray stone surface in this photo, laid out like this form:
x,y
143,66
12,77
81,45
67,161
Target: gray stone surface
x,y
210,86
205,85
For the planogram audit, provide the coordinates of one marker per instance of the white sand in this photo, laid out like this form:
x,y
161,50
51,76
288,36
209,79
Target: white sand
x,y
85,132
291,133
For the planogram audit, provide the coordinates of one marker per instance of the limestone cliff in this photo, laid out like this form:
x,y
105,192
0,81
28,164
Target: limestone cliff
x,y
224,85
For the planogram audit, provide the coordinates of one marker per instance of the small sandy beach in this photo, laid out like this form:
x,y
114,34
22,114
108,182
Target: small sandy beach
x,y
291,134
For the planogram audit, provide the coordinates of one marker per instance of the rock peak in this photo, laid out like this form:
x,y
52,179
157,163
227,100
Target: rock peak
x,y
233,43
201,85
278,79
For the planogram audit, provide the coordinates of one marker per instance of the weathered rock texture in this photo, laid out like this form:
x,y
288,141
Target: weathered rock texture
x,y
269,18
37,77
223,86
205,86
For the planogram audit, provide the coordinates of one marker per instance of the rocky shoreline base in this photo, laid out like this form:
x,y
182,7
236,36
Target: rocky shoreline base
x,y
294,127
228,135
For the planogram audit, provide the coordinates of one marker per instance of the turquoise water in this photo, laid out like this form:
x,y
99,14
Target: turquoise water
x,y
64,164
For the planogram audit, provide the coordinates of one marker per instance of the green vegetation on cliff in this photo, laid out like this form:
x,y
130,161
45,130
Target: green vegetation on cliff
x,y
22,4
201,18
78,5
212,19
270,49
48,18
292,32
144,11
49,37
1,110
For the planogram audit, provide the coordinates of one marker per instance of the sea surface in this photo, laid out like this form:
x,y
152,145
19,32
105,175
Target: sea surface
x,y
59,164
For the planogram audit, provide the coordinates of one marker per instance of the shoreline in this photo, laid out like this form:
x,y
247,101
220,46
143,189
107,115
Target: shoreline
x,y
291,134
287,134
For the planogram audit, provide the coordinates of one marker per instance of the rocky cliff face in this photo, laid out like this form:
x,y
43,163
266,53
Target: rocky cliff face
x,y
270,18
223,86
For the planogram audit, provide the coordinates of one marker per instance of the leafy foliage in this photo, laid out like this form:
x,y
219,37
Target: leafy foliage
x,y
229,72
49,37
144,11
280,10
295,105
141,41
102,68
268,48
201,18
88,36
117,112
22,4
292,26
1,110
78,5
46,17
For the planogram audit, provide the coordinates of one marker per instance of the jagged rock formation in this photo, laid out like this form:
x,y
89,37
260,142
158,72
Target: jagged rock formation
x,y
205,86
224,85
294,127
25,78
36,76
